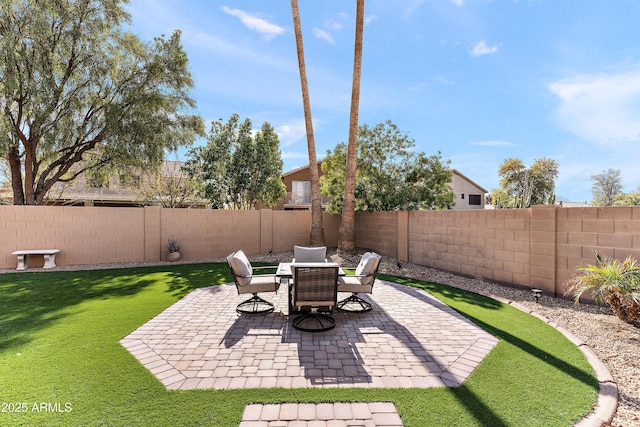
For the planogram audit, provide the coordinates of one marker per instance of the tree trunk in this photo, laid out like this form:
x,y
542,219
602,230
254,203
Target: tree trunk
x,y
16,176
317,227
347,236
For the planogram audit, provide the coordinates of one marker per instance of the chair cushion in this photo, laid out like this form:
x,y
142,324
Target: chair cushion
x,y
307,254
261,283
241,267
353,284
367,267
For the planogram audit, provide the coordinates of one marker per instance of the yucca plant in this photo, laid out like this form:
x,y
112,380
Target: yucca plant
x,y
613,282
173,246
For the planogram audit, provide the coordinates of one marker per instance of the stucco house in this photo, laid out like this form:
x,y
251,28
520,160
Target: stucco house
x,y
115,190
467,194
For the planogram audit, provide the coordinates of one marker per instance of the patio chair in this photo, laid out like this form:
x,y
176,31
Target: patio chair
x,y
315,288
361,282
249,283
309,254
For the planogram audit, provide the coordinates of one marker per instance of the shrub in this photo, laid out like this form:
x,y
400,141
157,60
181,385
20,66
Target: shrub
x,y
173,246
613,282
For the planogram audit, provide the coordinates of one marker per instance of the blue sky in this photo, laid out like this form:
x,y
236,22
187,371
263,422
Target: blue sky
x,y
478,80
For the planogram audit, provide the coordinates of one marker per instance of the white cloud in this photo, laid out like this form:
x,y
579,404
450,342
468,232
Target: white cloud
x,y
333,25
295,155
255,23
602,108
323,35
458,3
481,49
493,143
293,132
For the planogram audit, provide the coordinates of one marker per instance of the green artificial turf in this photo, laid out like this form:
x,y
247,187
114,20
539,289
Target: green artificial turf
x,y
61,363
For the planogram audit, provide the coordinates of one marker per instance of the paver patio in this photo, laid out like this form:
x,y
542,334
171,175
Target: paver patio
x,y
409,339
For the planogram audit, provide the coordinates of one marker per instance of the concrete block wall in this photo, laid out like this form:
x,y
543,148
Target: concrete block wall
x,y
95,235
539,247
207,233
378,231
84,235
489,244
610,231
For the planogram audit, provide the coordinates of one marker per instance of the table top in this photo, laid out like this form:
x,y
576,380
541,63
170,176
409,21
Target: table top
x,y
284,268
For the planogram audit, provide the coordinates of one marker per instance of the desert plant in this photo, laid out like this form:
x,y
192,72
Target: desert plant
x,y
613,282
173,246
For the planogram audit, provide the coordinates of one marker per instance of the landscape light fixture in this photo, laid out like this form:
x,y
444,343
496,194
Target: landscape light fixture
x,y
537,293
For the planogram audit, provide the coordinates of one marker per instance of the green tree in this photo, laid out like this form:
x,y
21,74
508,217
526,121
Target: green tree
x,y
78,93
317,226
390,174
169,187
628,199
606,187
500,199
532,186
237,170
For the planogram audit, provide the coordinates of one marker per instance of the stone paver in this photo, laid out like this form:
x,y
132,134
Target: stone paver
x,y
342,414
409,339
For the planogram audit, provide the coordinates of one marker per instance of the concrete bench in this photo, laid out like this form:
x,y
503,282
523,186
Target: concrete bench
x,y
49,257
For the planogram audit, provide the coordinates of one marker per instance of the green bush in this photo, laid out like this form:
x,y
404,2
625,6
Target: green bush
x,y
613,282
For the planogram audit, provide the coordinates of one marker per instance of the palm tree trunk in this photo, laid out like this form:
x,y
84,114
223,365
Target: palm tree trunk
x,y
347,233
317,227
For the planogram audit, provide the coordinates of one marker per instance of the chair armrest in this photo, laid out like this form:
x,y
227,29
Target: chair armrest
x,y
293,261
264,266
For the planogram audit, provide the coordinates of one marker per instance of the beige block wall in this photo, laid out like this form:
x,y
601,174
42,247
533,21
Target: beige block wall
x,y
487,244
85,235
95,235
378,231
538,247
208,233
610,231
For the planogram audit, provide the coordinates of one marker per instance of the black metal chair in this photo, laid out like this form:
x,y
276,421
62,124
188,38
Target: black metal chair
x,y
361,282
249,283
315,289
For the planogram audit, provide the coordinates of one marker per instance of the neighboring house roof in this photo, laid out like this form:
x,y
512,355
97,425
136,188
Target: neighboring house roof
x,y
301,168
469,180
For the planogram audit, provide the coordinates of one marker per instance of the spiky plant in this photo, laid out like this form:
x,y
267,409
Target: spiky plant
x,y
613,282
173,246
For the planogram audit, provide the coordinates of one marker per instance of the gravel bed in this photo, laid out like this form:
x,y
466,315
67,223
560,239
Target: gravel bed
x,y
616,343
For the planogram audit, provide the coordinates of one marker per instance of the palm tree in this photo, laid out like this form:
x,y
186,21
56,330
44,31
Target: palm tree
x,y
317,227
347,233
612,282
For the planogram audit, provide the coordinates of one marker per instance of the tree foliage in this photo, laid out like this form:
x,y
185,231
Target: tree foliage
x,y
78,93
237,170
522,187
606,187
169,187
628,199
390,174
612,282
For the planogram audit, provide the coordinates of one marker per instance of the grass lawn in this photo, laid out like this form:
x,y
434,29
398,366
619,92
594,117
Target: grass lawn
x,y
61,362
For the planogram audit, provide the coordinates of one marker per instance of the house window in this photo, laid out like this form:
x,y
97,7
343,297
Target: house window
x,y
462,196
301,192
475,199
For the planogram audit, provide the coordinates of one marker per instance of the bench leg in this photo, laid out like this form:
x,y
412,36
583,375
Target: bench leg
x,y
49,261
22,265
